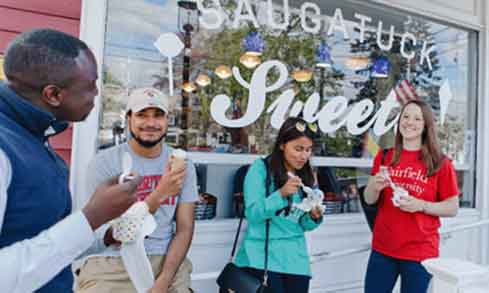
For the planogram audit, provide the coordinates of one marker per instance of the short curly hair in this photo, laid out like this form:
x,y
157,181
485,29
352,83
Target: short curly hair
x,y
41,57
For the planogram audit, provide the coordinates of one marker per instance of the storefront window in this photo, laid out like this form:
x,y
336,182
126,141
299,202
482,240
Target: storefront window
x,y
309,59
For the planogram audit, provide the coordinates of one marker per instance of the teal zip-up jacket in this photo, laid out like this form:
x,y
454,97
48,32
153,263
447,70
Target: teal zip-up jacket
x,y
287,251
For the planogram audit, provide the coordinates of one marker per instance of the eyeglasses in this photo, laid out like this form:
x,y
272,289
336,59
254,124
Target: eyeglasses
x,y
301,127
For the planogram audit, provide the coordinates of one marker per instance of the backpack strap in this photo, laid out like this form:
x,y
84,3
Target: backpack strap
x,y
268,181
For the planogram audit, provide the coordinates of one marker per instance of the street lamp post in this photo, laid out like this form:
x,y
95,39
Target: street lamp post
x,y
323,61
188,22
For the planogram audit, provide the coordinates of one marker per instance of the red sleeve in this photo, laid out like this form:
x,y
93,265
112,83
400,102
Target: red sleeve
x,y
377,160
447,181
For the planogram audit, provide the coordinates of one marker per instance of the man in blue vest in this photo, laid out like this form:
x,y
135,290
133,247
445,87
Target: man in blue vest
x,y
51,79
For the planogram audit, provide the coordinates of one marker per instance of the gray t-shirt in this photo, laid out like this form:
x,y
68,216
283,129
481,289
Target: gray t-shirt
x,y
108,163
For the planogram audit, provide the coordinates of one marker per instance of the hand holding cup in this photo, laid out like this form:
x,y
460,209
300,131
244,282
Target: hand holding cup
x,y
177,160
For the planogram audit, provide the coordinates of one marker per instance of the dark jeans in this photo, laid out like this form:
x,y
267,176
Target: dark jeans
x,y
282,283
383,270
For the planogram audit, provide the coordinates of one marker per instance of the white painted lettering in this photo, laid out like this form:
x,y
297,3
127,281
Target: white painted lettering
x,y
257,95
249,16
425,54
361,111
279,107
337,23
286,13
209,14
330,117
363,25
315,19
404,39
379,37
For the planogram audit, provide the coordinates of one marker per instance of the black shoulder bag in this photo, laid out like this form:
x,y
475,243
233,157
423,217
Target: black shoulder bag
x,y
232,277
370,210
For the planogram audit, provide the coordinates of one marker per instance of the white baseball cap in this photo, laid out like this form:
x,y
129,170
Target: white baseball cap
x,y
143,98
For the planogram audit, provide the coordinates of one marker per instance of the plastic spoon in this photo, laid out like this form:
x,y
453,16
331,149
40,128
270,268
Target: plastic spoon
x,y
312,200
385,173
306,189
395,188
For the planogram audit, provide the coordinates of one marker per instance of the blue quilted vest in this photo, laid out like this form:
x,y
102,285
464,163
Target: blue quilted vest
x,y
38,195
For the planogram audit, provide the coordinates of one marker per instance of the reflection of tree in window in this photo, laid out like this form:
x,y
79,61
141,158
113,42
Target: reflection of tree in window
x,y
292,46
424,80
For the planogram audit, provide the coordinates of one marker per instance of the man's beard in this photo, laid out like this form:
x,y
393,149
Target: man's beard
x,y
147,143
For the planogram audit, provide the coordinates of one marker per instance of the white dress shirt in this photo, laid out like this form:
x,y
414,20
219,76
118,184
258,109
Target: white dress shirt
x,y
27,265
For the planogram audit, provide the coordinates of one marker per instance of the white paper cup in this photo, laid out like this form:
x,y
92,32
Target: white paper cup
x,y
398,194
177,159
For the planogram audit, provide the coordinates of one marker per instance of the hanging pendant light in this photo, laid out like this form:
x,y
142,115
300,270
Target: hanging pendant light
x,y
323,56
249,60
223,71
303,75
381,67
357,62
189,86
203,80
253,44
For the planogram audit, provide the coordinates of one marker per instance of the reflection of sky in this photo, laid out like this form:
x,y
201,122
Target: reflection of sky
x,y
133,26
452,47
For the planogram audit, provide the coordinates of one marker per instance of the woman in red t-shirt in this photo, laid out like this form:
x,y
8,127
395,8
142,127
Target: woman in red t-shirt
x,y
414,188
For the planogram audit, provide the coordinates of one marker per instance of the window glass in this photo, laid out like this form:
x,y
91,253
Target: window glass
x,y
378,57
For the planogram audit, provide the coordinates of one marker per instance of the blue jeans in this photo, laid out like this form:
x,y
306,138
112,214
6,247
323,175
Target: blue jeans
x,y
383,270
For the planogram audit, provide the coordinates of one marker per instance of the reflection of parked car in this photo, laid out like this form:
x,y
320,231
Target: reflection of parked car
x,y
328,183
341,192
333,203
327,180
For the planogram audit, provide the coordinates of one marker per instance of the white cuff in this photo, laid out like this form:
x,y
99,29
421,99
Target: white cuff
x,y
76,228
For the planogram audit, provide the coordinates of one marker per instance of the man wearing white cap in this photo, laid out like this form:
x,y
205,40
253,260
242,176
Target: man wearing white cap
x,y
147,113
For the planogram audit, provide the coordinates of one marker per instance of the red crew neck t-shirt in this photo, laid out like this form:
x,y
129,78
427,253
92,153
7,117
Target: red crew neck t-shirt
x,y
411,236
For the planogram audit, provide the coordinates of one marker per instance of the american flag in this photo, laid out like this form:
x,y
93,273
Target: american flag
x,y
405,92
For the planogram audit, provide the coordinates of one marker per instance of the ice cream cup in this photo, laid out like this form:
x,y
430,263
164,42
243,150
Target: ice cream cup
x,y
398,194
177,159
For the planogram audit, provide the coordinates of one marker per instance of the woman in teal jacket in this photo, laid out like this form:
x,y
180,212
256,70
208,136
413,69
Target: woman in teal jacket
x,y
288,259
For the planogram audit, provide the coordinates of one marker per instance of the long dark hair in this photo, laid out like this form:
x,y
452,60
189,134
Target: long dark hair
x,y
431,153
289,131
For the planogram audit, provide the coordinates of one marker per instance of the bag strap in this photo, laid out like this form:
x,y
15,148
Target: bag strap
x,y
237,236
382,160
267,223
384,153
267,227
